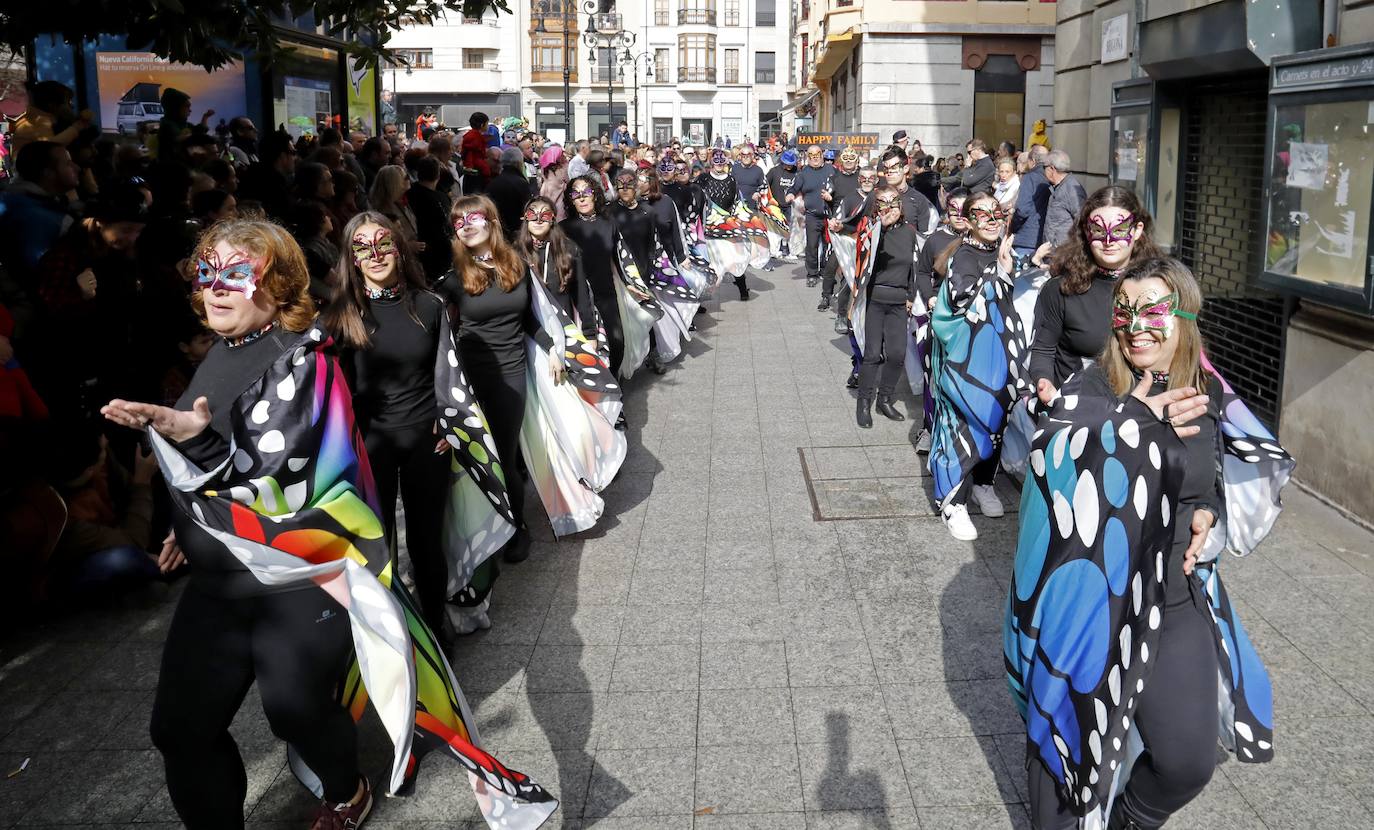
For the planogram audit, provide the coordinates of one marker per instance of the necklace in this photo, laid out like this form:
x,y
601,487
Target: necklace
x,y
982,246
483,260
1110,273
539,244
236,342
390,292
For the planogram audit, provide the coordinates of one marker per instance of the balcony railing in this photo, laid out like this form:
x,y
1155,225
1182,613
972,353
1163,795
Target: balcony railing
x,y
480,21
603,74
763,76
731,76
696,75
695,15
608,22
541,74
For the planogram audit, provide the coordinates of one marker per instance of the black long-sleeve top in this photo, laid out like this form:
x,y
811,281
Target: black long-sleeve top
x,y
893,265
225,374
749,178
432,227
492,325
393,378
723,191
1070,328
916,210
926,282
636,226
843,187
596,239
808,184
668,225
681,194
576,299
780,183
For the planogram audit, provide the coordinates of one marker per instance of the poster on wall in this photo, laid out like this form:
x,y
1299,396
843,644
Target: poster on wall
x,y
131,84
1307,165
309,106
362,99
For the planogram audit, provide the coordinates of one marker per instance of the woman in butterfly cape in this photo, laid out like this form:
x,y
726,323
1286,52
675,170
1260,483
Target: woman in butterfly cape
x,y
976,343
568,436
736,237
637,248
1122,648
677,283
276,507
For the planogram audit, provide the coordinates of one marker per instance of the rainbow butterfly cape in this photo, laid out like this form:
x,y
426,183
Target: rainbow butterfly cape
x,y
976,342
1084,611
638,311
294,501
571,447
860,252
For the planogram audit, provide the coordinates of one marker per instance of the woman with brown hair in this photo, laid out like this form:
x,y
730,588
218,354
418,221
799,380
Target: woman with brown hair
x,y
489,289
1073,311
1122,647
387,197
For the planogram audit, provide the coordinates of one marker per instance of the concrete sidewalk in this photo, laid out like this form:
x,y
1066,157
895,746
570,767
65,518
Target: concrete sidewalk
x,y
770,630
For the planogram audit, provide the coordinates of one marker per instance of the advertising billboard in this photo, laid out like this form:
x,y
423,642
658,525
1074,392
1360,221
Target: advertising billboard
x,y
131,85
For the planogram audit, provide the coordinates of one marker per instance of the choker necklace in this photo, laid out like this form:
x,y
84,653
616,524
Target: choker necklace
x,y
1161,378
982,246
391,292
588,217
482,259
1109,273
539,244
235,342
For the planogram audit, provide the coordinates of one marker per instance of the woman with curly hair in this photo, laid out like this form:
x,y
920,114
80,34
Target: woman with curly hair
x,y
1073,312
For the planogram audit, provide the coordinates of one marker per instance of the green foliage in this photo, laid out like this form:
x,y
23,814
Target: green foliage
x,y
210,33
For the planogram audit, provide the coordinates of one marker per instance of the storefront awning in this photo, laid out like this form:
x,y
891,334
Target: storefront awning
x,y
1227,37
837,48
800,102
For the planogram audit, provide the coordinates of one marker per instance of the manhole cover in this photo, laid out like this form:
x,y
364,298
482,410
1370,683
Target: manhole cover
x,y
885,481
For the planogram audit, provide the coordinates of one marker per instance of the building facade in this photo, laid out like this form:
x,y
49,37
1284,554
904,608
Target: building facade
x,y
456,66
943,70
697,69
1226,116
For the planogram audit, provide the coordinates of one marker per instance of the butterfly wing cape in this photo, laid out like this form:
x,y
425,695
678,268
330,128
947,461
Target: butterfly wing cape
x,y
864,253
678,301
975,346
774,219
796,233
728,242
571,448
1016,438
1086,601
638,312
295,502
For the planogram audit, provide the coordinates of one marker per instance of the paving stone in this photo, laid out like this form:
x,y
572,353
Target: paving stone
x,y
743,666
753,778
656,668
829,662
729,718
642,782
845,774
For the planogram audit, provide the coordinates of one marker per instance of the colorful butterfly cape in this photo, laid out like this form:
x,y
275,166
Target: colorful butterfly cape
x,y
638,311
294,501
976,343
1084,611
571,448
860,252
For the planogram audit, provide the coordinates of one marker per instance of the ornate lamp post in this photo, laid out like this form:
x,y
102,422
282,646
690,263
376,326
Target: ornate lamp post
x,y
604,32
633,60
563,10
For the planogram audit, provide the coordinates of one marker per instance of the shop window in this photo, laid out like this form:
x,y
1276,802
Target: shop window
x,y
999,101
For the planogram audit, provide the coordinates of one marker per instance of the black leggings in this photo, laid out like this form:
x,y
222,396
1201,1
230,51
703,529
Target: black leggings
x,y
1176,715
615,333
502,395
297,645
982,474
884,348
404,459
815,235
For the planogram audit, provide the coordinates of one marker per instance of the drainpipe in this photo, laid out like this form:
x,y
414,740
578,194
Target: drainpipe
x,y
1330,13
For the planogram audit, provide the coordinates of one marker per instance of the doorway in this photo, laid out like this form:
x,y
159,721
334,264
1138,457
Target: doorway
x,y
999,102
698,130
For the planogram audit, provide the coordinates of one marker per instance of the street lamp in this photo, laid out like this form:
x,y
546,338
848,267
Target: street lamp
x,y
562,9
609,37
633,60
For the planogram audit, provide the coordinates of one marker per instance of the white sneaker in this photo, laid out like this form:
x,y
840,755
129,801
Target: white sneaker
x,y
957,522
986,497
923,443
467,620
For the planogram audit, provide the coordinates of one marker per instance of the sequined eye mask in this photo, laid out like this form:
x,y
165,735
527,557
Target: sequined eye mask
x,y
239,274
980,215
1098,231
377,249
1151,314
540,215
476,220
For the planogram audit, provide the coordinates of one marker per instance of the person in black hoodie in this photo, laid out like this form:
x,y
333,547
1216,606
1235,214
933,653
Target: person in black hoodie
x,y
431,207
636,225
889,290
809,185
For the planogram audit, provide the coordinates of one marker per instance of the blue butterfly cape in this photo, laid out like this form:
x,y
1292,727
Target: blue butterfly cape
x,y
1087,594
976,347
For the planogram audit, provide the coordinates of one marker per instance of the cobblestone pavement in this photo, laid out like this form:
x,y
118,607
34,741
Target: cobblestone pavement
x,y
714,656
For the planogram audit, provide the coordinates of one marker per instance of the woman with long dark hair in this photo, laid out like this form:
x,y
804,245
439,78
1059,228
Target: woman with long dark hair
x,y
976,336
557,262
1122,648
1073,311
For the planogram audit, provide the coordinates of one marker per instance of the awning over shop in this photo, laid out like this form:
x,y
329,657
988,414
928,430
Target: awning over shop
x,y
837,48
801,102
1226,37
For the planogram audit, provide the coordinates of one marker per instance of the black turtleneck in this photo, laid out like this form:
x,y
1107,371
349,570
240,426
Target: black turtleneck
x,y
668,224
576,299
1070,329
595,238
844,188
927,282
636,226
393,379
893,265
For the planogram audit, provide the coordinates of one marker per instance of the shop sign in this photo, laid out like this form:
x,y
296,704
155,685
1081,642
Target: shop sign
x,y
863,142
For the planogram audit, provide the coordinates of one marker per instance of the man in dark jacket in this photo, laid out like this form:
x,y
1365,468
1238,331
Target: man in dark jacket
x,y
811,181
1066,199
431,208
510,190
1032,200
979,172
269,180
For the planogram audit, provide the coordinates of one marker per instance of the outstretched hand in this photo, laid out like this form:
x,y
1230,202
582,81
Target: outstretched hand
x,y
1174,406
1004,257
173,424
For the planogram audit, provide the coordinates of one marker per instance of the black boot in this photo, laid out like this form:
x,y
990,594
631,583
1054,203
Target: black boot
x,y
655,363
518,548
889,411
863,413
743,289
812,282
853,382
824,304
1119,821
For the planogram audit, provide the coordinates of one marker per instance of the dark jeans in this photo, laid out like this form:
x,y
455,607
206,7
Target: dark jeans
x,y
815,235
405,460
983,473
296,645
1177,718
884,348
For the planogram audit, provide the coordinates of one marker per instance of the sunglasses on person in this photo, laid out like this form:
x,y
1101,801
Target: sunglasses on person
x,y
239,274
377,249
470,220
539,214
983,216
1121,231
